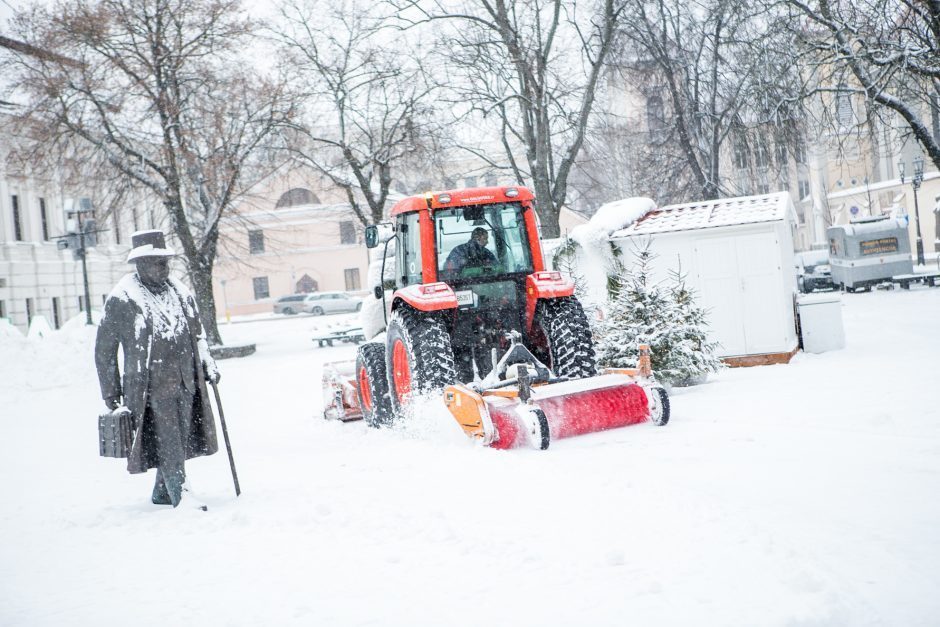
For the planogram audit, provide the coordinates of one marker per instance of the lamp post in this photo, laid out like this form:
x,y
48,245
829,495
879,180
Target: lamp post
x,y
916,180
228,318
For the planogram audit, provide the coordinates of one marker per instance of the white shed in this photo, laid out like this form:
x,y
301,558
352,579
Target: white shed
x,y
737,253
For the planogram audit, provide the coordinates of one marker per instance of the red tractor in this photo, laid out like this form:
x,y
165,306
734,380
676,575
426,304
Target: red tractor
x,y
474,314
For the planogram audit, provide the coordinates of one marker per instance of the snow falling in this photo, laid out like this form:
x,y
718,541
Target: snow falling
x,y
782,495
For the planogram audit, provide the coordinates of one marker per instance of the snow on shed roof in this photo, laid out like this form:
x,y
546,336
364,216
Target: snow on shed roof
x,y
710,213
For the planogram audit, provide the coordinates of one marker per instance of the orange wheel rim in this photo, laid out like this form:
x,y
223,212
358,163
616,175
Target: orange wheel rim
x,y
401,370
364,389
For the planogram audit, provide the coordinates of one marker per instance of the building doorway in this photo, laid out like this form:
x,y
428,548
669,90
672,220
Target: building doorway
x,y
306,285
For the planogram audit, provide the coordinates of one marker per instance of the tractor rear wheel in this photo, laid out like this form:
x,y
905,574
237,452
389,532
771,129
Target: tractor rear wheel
x,y
566,329
419,356
372,385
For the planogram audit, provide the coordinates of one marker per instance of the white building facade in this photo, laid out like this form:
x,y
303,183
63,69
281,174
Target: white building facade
x,y
36,277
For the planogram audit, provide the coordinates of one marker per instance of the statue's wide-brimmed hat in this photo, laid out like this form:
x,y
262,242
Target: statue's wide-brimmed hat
x,y
148,244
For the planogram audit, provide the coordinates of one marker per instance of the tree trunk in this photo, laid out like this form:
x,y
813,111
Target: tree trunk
x,y
548,213
548,219
201,279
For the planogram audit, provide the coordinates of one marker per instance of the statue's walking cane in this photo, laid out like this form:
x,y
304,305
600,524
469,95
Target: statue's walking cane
x,y
228,444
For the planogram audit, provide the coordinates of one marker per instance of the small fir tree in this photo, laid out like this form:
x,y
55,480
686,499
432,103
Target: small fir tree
x,y
693,355
666,317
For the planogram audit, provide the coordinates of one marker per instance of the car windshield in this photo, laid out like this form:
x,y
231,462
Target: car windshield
x,y
481,240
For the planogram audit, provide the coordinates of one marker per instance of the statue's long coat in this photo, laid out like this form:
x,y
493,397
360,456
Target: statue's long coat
x,y
127,323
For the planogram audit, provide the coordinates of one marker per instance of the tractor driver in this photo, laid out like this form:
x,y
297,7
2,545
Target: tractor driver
x,y
471,254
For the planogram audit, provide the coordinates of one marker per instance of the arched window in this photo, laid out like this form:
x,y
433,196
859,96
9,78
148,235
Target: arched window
x,y
297,196
655,116
306,284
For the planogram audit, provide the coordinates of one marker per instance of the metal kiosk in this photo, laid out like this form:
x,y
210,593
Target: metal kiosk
x,y
869,251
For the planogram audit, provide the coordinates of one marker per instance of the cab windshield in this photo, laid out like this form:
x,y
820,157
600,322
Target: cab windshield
x,y
481,241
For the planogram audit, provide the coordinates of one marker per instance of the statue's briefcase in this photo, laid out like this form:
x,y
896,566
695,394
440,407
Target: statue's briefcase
x,y
115,433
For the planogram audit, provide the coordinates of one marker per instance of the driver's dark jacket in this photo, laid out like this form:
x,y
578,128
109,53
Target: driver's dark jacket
x,y
471,254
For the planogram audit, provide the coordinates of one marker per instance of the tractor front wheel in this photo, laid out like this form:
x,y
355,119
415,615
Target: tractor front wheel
x,y
659,405
419,356
568,334
372,385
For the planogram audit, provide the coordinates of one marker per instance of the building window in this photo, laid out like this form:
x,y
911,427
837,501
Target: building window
x,y
491,180
763,188
256,242
3,310
29,310
740,155
347,232
844,113
761,155
17,226
470,181
260,284
655,117
803,189
56,312
782,157
935,116
297,197
800,151
44,219
449,183
352,279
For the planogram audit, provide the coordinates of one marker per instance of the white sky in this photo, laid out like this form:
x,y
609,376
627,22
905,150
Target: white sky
x,y
7,8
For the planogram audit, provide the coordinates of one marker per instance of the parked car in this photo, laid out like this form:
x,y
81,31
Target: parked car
x,y
813,271
320,303
290,304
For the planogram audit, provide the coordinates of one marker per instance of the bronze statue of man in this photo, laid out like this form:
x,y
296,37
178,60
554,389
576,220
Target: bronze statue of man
x,y
154,319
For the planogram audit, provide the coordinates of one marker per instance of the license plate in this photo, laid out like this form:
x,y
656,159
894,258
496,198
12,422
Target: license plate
x,y
465,298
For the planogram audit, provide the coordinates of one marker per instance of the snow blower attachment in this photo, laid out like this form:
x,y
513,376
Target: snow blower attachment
x,y
521,404
472,298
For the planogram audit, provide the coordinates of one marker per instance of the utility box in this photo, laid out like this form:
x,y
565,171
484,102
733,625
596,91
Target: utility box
x,y
821,322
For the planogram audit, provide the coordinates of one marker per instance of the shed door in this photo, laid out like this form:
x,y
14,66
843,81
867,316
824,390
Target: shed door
x,y
717,263
740,285
759,261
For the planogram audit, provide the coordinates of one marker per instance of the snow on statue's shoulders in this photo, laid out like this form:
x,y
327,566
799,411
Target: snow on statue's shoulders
x,y
610,217
126,289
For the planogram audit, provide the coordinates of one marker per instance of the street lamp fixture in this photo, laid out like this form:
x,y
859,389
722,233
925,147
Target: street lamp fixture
x,y
916,180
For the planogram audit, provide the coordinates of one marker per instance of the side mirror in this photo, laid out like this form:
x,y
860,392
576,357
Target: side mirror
x,y
379,292
372,236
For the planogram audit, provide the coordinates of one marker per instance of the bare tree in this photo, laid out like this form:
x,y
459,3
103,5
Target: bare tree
x,y
159,89
710,73
534,66
885,51
370,107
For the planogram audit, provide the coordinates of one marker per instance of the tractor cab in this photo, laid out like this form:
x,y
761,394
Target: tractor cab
x,y
470,260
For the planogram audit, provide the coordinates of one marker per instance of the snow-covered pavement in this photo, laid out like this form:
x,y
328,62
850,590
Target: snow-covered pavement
x,y
789,495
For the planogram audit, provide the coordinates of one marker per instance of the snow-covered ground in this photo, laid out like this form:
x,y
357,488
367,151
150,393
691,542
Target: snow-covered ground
x,y
789,495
